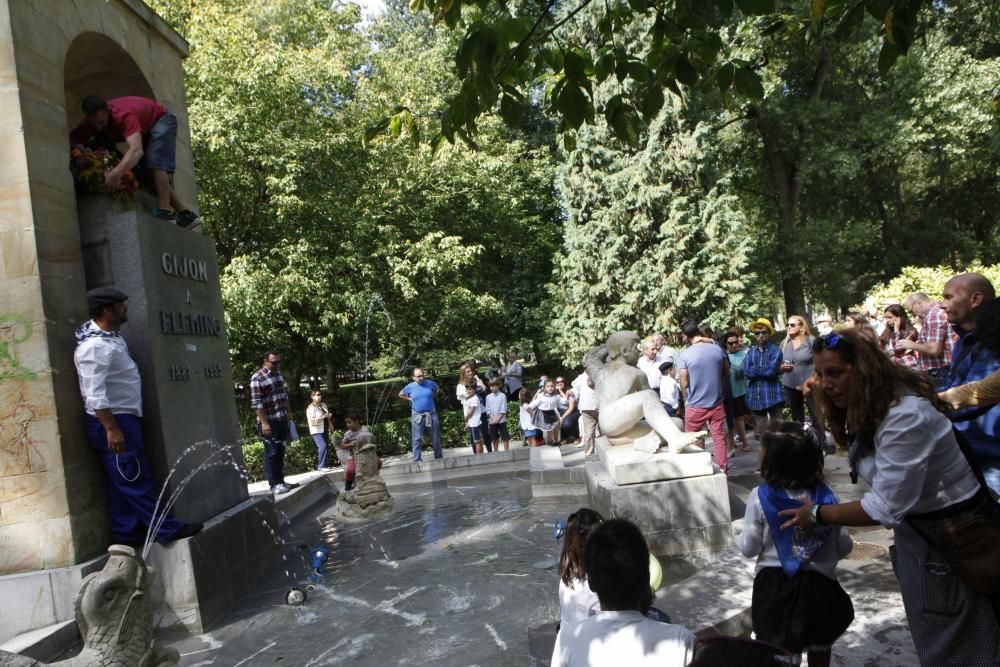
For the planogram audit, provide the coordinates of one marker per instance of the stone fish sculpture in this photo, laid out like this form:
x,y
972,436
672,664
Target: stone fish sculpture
x,y
369,499
115,619
624,400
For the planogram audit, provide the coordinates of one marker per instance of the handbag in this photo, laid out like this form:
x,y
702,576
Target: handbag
x,y
971,544
972,547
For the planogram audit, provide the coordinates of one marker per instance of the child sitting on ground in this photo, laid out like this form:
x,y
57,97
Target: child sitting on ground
x,y
546,412
496,410
616,563
353,423
532,436
798,604
473,418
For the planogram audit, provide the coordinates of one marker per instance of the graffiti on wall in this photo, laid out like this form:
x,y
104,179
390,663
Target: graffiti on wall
x,y
14,330
17,414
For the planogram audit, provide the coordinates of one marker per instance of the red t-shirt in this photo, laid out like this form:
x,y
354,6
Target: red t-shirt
x,y
128,116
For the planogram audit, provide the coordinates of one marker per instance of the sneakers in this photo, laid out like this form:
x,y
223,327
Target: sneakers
x,y
324,469
279,489
165,214
188,219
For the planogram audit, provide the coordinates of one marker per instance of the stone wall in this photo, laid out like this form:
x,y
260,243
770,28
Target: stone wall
x,y
52,493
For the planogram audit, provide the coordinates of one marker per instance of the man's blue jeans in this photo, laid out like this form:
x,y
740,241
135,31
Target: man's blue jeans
x,y
274,451
417,427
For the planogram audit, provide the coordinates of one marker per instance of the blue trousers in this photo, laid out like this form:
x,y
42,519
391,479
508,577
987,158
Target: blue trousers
x,y
274,451
417,429
131,494
321,448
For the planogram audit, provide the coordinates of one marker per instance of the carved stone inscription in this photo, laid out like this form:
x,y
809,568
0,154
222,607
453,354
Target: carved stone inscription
x,y
187,323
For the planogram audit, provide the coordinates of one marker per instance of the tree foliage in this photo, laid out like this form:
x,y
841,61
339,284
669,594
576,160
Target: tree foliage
x,y
508,49
335,250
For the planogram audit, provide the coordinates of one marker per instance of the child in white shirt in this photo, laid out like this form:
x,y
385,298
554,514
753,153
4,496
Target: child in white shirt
x,y
473,418
670,391
546,412
496,410
798,604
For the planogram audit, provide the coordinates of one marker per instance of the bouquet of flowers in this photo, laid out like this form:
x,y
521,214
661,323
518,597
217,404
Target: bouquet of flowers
x,y
89,166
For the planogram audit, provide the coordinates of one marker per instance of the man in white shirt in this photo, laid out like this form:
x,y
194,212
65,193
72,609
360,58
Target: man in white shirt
x,y
649,364
586,402
112,397
616,561
663,351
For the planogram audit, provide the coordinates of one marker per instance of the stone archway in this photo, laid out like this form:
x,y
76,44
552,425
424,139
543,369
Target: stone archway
x,y
96,65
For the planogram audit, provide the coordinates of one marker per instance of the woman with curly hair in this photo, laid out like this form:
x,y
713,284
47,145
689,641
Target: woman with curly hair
x,y
920,484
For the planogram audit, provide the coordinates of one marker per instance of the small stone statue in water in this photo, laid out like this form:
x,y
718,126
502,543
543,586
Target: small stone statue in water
x,y
624,399
114,617
369,499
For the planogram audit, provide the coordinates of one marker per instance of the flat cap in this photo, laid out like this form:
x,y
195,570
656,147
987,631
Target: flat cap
x,y
102,296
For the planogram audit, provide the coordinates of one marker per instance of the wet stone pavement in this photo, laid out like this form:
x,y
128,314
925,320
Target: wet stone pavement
x,y
454,576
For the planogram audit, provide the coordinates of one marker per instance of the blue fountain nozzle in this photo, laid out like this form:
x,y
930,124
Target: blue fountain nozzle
x,y
559,529
319,556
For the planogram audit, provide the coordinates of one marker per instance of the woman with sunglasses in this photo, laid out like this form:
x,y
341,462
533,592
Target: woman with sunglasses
x,y
797,368
898,440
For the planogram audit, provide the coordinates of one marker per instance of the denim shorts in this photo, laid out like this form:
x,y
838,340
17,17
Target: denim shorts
x,y
475,432
160,151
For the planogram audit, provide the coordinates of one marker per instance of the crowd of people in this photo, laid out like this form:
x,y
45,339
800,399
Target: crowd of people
x,y
915,406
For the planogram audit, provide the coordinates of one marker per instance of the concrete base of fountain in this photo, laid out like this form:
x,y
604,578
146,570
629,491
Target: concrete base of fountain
x,y
680,501
199,578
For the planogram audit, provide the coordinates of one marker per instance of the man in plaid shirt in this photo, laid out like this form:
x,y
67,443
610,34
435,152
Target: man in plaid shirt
x,y
762,369
933,347
269,400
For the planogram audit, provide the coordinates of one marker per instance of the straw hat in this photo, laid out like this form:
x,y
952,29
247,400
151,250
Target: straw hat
x,y
762,322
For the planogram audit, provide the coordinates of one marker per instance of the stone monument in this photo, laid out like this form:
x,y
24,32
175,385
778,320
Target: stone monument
x,y
677,497
53,506
369,499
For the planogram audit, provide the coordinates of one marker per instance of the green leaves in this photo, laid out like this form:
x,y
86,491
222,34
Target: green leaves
x,y
748,84
755,7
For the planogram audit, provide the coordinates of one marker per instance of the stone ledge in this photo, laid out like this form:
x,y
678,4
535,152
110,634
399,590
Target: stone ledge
x,y
44,644
546,458
628,466
688,517
34,600
213,570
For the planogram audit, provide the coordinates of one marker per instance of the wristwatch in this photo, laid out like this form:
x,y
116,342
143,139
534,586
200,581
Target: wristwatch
x,y
814,515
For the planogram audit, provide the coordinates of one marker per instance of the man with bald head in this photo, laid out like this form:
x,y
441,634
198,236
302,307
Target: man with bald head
x,y
963,296
933,346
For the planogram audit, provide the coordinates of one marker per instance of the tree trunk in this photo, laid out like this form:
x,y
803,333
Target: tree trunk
x,y
785,171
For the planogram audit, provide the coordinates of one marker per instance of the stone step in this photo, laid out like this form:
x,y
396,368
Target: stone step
x,y
551,478
44,644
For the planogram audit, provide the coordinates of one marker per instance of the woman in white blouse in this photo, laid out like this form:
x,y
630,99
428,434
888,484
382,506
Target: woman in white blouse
x,y
904,447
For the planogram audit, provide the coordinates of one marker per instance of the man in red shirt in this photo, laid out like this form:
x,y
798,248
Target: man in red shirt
x,y
150,132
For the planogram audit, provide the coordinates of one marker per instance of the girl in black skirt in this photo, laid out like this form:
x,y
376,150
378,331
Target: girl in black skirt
x,y
797,602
